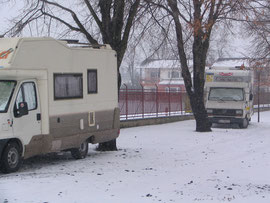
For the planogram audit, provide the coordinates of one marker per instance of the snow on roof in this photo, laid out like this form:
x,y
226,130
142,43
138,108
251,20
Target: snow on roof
x,y
170,64
231,63
172,82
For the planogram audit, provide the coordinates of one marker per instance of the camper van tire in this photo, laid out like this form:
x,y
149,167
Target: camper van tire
x,y
81,152
11,158
244,123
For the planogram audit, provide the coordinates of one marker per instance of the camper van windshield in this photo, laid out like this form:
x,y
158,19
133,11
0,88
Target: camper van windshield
x,y
226,94
6,90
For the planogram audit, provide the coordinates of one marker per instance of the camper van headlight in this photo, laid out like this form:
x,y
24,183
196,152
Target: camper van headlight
x,y
239,112
210,111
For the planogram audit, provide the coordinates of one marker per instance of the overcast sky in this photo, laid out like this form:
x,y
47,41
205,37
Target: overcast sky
x,y
7,11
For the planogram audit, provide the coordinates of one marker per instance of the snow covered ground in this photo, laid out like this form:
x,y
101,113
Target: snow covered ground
x,y
162,163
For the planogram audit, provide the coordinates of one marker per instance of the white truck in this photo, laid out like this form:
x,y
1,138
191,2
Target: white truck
x,y
55,97
229,96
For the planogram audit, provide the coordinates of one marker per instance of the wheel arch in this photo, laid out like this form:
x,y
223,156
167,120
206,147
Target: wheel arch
x,y
7,164
90,139
17,141
3,144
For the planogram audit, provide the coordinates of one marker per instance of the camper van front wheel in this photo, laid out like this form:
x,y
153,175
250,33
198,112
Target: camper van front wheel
x,y
244,123
81,152
11,158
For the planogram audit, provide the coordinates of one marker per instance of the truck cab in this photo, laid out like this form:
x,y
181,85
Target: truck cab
x,y
20,117
229,96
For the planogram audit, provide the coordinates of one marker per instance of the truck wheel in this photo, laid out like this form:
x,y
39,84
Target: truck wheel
x,y
11,158
81,152
244,123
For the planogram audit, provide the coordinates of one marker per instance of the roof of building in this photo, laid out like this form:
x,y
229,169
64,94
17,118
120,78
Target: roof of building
x,y
164,63
172,82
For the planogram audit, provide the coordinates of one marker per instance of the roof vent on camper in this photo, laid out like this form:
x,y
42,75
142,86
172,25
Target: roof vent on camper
x,y
84,45
71,41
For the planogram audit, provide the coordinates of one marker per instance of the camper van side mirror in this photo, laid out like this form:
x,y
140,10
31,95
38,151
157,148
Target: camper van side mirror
x,y
250,97
23,109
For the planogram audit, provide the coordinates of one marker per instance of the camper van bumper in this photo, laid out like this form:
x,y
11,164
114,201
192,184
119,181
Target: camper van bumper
x,y
225,120
2,146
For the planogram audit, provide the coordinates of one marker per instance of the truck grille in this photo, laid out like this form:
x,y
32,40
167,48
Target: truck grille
x,y
224,112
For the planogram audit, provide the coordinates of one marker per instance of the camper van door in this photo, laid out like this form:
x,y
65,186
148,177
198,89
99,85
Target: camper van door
x,y
26,124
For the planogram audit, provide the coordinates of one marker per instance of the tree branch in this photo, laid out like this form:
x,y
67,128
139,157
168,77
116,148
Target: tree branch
x,y
75,18
93,13
180,45
129,23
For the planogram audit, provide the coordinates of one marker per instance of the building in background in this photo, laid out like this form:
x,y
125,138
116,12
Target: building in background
x,y
164,75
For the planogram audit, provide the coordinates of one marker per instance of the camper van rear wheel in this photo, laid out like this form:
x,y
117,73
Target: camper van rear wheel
x,y
81,152
11,158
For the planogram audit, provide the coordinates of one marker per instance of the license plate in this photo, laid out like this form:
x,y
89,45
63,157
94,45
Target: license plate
x,y
224,121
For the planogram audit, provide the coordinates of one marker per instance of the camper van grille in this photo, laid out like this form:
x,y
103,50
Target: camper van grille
x,y
224,112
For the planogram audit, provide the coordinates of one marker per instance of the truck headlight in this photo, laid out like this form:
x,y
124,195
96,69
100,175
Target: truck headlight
x,y
209,111
239,112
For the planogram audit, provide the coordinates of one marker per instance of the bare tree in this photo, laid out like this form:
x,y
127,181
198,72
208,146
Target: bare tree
x,y
113,19
129,67
257,25
199,16
106,21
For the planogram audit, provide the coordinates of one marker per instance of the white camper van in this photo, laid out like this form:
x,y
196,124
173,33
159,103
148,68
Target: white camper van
x,y
55,97
229,96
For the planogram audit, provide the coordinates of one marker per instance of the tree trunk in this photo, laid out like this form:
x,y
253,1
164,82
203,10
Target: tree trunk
x,y
199,50
200,114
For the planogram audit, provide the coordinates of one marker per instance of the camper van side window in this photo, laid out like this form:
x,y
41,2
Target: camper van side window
x,y
68,86
92,81
27,93
30,95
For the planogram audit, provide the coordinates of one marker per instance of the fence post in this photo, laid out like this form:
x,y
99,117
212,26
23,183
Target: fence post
x,y
259,78
169,101
126,101
142,101
263,99
181,102
156,100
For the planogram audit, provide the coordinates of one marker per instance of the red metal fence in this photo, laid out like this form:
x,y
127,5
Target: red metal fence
x,y
263,100
142,103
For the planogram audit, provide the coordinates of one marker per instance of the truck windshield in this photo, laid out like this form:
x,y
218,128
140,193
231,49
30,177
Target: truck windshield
x,y
226,94
6,90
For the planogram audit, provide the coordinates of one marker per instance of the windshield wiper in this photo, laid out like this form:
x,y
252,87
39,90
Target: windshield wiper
x,y
216,99
232,99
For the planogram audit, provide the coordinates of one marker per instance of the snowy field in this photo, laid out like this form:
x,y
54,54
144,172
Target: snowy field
x,y
162,163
